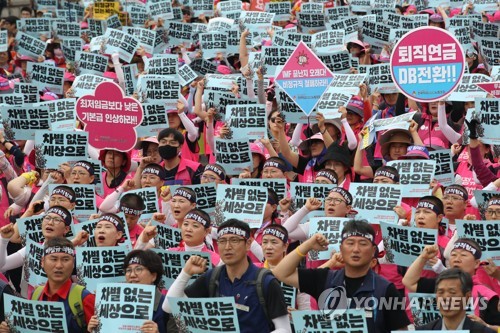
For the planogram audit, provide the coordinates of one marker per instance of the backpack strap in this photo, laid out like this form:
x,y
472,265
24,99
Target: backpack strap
x,y
75,301
213,284
261,273
37,293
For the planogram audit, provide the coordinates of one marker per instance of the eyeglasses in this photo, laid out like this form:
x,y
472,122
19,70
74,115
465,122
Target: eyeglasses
x,y
334,201
137,270
233,241
492,212
452,198
55,220
210,179
79,173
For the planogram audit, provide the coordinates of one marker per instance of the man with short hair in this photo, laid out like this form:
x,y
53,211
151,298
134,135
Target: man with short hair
x,y
357,278
453,291
58,262
236,278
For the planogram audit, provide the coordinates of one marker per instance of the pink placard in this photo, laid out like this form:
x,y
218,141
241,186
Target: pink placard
x,y
110,118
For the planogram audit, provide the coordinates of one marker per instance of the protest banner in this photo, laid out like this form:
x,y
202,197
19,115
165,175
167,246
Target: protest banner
x,y
281,10
29,91
70,46
35,27
304,70
396,34
206,196
49,5
275,56
159,88
64,30
186,75
120,114
444,173
402,122
214,314
311,7
167,236
349,321
376,34
278,185
415,176
160,10
124,307
86,84
290,111
150,197
247,121
53,148
138,14
130,74
328,41
45,77
379,77
331,228
32,268
96,28
26,316
104,9
492,88
482,197
100,265
61,113
245,203
468,89
146,37
423,308
97,166
255,21
339,92
222,82
233,155
113,22
30,228
21,122
311,23
219,24
337,13
485,5
337,62
202,67
230,9
174,261
220,100
360,5
29,46
162,65
409,22
436,55
300,192
3,41
90,63
85,204
202,7
348,24
290,294
213,43
489,114
404,244
485,233
462,34
376,202
155,119
122,43
89,227
12,99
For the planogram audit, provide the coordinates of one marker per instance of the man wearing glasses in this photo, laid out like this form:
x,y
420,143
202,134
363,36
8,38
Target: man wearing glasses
x,y
236,278
493,211
455,199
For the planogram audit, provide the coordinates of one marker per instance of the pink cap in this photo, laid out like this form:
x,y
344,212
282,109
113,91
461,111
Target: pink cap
x,y
257,148
223,69
411,7
49,96
455,11
110,75
356,105
84,25
4,83
69,77
419,152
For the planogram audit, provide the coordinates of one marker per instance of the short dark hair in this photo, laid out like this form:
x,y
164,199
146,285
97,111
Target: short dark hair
x,y
27,9
67,189
170,131
148,259
473,244
132,200
11,19
361,226
435,200
58,241
236,223
203,214
455,273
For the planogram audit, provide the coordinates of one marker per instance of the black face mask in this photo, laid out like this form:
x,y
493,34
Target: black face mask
x,y
167,152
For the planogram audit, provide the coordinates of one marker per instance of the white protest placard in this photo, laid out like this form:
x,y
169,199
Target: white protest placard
x,y
467,90
376,202
330,320
186,75
402,122
46,77
3,41
247,121
379,77
155,119
29,45
86,84
96,27
159,88
349,25
62,114
281,10
202,7
336,13
300,192
21,122
230,9
121,43
489,114
246,203
146,37
90,63
179,33
337,62
415,176
360,5
66,30
130,74
311,23
233,155
376,34
213,43
331,228
339,92
162,65
328,41
202,66
124,307
54,148
35,27
160,10
33,271
113,22
278,185
444,173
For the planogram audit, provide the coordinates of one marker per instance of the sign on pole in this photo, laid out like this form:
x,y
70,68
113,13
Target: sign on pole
x,y
304,77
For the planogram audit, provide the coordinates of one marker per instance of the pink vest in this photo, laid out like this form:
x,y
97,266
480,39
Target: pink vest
x,y
214,257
